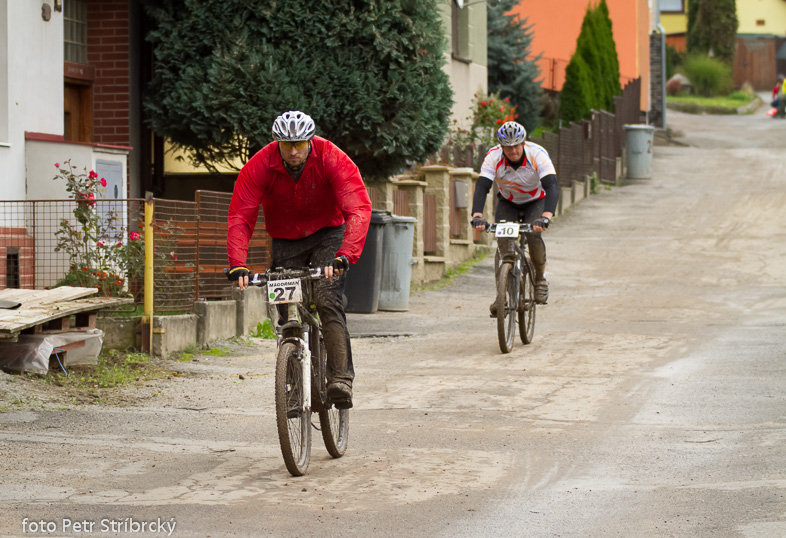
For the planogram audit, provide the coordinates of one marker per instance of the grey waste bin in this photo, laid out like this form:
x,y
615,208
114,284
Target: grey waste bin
x,y
638,150
397,264
364,278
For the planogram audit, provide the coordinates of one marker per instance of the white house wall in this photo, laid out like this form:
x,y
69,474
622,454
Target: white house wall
x,y
35,86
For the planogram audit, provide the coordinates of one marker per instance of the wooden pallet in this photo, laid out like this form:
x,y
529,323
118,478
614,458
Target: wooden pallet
x,y
51,311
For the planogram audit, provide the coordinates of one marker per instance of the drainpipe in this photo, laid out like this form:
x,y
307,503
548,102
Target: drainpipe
x,y
662,31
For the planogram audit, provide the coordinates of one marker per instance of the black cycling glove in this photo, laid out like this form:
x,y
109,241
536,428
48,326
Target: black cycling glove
x,y
542,222
479,221
340,263
236,273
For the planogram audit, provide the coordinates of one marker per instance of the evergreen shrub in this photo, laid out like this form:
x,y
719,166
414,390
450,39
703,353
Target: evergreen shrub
x,y
369,73
592,76
709,77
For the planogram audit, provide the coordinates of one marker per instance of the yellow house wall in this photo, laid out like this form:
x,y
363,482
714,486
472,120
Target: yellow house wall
x,y
674,23
772,12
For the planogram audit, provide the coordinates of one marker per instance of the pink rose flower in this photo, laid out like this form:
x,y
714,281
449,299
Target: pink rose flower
x,y
133,236
103,182
57,165
92,174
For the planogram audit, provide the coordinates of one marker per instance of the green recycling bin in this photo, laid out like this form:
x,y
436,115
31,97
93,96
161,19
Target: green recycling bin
x,y
397,261
362,284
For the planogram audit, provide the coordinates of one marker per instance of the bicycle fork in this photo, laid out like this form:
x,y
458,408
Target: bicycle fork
x,y
304,356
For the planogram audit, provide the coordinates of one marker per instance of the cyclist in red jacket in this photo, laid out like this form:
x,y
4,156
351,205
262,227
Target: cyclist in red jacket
x,y
317,210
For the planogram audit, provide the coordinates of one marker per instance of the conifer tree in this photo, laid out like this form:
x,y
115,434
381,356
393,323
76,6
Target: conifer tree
x,y
368,72
592,76
510,72
712,28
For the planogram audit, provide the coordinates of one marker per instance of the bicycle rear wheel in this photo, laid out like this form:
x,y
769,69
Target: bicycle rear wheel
x,y
507,303
527,305
292,419
333,423
335,430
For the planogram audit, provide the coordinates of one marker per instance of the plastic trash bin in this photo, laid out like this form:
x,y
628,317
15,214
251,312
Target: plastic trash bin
x,y
638,150
397,264
364,278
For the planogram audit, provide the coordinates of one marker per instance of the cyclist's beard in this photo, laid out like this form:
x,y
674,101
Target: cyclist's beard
x,y
295,169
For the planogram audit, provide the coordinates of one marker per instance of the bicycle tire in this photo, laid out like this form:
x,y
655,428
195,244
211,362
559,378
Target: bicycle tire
x,y
507,306
333,423
292,420
335,430
527,305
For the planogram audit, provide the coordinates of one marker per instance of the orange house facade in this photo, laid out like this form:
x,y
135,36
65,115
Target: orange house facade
x,y
556,27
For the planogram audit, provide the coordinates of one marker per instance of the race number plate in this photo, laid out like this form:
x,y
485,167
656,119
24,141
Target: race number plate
x,y
507,229
284,291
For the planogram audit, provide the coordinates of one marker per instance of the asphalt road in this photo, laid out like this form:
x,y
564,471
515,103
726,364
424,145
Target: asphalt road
x,y
650,404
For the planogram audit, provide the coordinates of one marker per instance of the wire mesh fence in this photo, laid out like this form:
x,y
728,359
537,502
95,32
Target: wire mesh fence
x,y
101,243
51,243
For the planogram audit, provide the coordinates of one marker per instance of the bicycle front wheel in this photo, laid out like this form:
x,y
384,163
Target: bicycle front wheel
x,y
292,418
527,305
507,303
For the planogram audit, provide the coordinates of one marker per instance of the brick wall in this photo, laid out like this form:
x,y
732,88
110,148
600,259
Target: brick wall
x,y
108,52
17,239
656,80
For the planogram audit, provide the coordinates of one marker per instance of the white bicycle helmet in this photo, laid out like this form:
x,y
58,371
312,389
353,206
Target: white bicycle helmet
x,y
511,134
293,126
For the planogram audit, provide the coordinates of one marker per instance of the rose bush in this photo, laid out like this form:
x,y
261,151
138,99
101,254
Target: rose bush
x,y
101,253
487,114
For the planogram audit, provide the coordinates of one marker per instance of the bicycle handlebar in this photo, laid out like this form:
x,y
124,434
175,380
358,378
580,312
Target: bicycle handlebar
x,y
261,279
524,227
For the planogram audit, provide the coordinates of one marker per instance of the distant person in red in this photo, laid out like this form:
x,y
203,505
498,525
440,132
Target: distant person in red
x,y
317,210
778,104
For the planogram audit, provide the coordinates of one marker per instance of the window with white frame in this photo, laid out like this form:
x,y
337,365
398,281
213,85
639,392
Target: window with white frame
x,y
672,6
75,31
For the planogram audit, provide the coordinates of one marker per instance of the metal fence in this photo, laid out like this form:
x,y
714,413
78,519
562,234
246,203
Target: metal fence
x,y
191,254
578,149
50,243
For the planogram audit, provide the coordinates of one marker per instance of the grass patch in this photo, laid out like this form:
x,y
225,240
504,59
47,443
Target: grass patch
x,y
217,352
264,330
114,369
451,274
732,101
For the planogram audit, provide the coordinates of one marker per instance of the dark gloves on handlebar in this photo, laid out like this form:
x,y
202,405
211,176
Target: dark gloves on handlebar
x,y
542,222
236,273
478,222
340,263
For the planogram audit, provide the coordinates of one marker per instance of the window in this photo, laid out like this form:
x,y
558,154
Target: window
x,y
75,31
460,32
78,87
672,6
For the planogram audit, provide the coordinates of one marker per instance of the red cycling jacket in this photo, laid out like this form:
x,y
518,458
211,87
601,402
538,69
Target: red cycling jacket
x,y
329,192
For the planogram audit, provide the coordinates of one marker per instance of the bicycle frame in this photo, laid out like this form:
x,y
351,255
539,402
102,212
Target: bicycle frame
x,y
514,280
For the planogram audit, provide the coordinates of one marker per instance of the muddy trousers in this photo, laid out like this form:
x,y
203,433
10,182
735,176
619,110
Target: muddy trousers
x,y
523,213
319,250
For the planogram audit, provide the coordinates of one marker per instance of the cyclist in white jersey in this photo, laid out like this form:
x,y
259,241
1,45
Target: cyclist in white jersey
x,y
527,191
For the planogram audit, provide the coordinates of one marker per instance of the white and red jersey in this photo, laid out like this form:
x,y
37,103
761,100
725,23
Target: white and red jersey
x,y
523,184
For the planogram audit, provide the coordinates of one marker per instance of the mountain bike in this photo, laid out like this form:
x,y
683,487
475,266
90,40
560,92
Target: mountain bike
x,y
301,370
515,286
